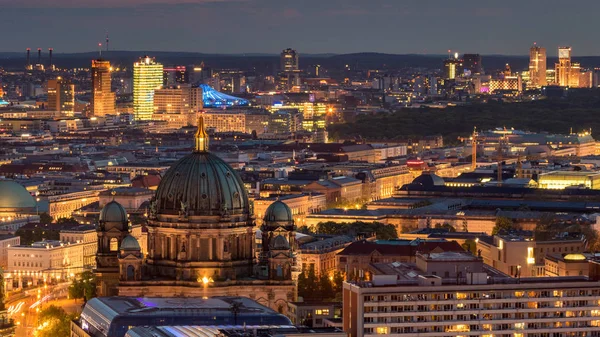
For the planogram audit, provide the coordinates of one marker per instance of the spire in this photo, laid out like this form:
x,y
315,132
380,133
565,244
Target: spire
x,y
201,137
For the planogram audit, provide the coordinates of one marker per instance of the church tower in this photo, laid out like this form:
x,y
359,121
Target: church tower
x,y
113,227
278,241
130,260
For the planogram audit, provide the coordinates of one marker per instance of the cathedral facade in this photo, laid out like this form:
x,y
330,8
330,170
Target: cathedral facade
x,y
201,236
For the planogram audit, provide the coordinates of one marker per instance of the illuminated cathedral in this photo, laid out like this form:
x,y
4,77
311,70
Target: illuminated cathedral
x,y
201,236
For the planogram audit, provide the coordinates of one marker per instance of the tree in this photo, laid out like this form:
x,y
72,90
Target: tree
x,y
326,287
84,286
470,246
338,281
55,322
45,218
503,224
447,226
382,231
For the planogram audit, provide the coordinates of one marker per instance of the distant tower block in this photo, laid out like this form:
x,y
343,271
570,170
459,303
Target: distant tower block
x,y
28,62
50,64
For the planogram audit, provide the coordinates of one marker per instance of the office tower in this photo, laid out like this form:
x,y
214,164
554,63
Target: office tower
x,y
103,99
175,75
178,106
147,77
61,96
537,66
290,71
472,64
451,68
563,67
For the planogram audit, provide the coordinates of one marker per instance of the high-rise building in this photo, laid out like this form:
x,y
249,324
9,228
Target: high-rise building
x,y
61,96
147,77
537,66
103,99
472,64
563,67
178,105
290,70
451,68
175,75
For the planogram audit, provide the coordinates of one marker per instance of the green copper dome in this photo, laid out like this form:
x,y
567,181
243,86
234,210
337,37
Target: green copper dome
x,y
113,212
278,212
130,243
201,184
14,197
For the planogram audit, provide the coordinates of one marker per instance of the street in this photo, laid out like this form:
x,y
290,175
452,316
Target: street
x,y
24,308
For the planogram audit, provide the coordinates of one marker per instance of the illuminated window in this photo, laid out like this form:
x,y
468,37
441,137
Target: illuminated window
x,y
322,312
382,330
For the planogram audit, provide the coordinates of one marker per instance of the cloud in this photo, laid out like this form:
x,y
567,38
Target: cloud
x,y
104,3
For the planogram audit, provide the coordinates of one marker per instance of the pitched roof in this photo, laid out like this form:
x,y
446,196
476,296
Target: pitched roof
x,y
399,247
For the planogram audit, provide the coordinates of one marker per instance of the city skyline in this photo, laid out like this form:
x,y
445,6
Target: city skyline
x,y
236,26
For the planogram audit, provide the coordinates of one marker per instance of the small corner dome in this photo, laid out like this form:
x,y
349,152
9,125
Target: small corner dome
x,y
278,212
429,180
15,197
129,243
280,243
113,212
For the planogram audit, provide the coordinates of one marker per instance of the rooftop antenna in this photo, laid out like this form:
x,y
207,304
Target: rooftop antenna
x,y
100,49
449,54
107,41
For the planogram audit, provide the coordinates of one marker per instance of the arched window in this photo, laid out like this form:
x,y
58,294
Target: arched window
x,y
130,273
114,245
279,271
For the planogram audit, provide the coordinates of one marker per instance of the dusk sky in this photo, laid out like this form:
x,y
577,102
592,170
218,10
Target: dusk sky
x,y
309,26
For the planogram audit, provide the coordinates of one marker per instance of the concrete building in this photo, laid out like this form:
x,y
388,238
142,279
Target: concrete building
x,y
313,314
63,205
7,241
61,96
454,294
301,205
537,66
86,235
178,106
519,255
114,316
133,199
43,261
321,254
147,77
355,259
566,179
567,264
103,98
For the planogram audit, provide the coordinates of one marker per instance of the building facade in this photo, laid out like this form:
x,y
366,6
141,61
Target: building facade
x,y
537,66
103,98
147,77
61,96
200,240
414,301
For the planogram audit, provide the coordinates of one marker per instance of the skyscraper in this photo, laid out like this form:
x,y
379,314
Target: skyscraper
x,y
537,66
451,68
147,77
290,71
563,67
472,63
103,99
61,96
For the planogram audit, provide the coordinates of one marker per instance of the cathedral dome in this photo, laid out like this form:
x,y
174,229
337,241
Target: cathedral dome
x,y
280,243
201,184
113,212
278,212
14,197
130,243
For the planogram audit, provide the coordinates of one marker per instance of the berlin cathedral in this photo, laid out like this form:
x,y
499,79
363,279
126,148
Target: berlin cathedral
x,y
201,239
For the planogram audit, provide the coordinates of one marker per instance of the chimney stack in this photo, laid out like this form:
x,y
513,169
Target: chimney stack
x,y
28,57
39,56
50,56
